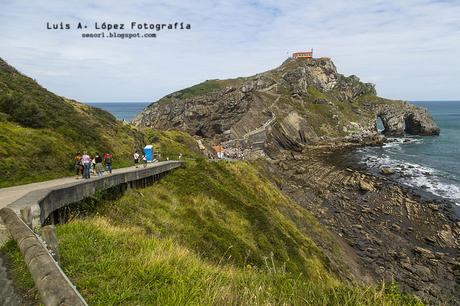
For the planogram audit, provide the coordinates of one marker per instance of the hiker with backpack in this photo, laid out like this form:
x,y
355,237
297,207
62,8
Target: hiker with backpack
x,y
144,160
92,169
108,162
98,167
78,165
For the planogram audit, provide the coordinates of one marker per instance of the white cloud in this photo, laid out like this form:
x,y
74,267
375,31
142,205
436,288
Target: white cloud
x,y
409,48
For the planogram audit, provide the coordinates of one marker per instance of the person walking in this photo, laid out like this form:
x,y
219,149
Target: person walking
x,y
98,167
136,159
78,165
86,161
108,162
144,160
93,166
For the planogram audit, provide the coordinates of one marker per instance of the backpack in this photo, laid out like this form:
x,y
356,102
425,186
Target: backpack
x,y
108,159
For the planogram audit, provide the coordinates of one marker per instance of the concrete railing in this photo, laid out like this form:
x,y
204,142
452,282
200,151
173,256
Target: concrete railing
x,y
31,211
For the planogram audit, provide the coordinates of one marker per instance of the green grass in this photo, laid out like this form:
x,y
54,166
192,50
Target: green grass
x,y
204,88
40,132
121,265
31,155
210,233
200,89
316,93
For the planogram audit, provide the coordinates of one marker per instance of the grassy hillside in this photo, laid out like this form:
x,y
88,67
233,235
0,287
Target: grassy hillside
x,y
212,233
41,132
209,233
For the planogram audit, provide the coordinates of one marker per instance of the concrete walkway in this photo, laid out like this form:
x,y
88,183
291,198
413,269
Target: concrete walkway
x,y
11,194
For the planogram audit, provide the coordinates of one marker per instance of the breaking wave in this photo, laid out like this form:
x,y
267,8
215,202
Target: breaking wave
x,y
412,174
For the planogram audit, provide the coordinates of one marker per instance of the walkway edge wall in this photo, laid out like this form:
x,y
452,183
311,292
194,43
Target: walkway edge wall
x,y
53,285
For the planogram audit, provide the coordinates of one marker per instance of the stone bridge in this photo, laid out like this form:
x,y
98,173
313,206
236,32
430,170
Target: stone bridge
x,y
25,208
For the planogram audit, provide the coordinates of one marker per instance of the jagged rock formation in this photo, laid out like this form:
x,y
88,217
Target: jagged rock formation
x,y
410,119
301,102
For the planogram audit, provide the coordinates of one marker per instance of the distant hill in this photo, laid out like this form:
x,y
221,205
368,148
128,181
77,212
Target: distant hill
x,y
40,132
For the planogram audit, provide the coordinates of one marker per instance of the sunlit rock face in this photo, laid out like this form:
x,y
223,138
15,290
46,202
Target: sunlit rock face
x,y
301,102
405,118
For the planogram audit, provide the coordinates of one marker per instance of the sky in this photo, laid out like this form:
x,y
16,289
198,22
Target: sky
x,y
409,48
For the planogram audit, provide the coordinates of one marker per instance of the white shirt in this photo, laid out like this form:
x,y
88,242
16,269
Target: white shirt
x,y
136,156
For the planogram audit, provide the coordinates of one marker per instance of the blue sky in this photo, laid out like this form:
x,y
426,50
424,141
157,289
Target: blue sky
x,y
409,48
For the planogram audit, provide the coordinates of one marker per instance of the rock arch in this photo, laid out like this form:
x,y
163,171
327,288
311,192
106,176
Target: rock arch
x,y
379,119
412,126
401,119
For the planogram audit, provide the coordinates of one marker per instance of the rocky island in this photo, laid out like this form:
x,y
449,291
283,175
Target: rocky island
x,y
294,122
302,102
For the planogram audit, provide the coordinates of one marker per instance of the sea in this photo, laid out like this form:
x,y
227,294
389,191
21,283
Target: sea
x,y
121,110
430,164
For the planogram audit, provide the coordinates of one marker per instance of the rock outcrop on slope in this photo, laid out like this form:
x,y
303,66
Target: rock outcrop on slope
x,y
301,102
409,119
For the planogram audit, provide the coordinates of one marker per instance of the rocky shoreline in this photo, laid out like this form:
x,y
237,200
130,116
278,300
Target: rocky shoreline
x,y
394,175
397,233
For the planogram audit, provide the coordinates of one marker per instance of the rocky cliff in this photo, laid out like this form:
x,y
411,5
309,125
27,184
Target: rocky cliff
x,y
303,101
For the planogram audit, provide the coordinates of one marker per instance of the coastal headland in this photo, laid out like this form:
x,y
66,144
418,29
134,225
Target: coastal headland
x,y
283,217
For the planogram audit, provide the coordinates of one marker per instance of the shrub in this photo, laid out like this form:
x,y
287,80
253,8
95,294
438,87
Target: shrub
x,y
22,111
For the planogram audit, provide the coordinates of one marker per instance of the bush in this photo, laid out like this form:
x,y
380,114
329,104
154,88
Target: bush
x,y
22,111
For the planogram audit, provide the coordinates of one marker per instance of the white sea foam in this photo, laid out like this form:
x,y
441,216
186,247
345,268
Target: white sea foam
x,y
396,142
412,174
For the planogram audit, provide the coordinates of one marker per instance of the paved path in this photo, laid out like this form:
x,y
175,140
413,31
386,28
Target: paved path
x,y
269,121
10,194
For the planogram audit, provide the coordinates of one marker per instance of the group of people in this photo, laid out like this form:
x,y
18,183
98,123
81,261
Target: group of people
x,y
137,157
84,164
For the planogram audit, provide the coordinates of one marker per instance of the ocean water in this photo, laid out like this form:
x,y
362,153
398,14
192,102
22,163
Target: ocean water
x,y
430,163
123,110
